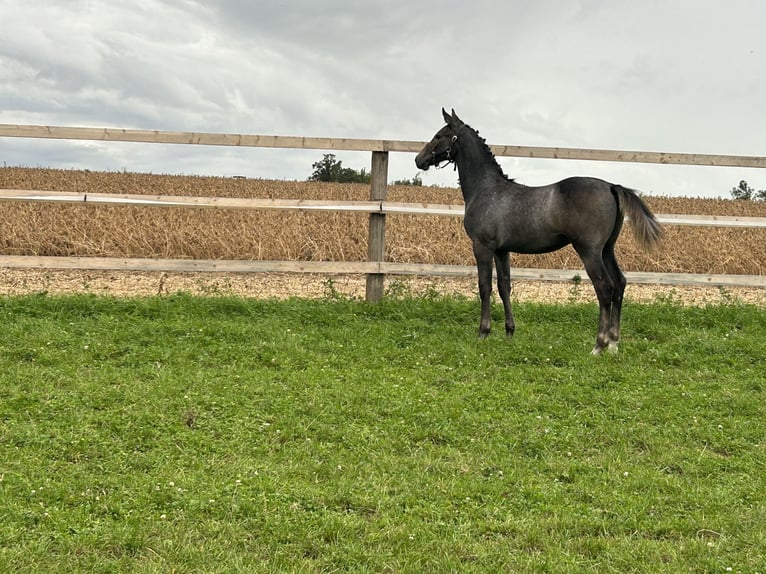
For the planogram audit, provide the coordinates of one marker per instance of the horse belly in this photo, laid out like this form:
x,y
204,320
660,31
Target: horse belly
x,y
531,244
516,237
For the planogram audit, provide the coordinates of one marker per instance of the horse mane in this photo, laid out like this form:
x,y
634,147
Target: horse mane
x,y
486,147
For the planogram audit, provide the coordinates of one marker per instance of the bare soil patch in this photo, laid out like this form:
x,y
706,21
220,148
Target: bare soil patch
x,y
285,285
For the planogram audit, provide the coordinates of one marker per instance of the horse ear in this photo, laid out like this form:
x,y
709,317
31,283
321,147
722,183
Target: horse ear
x,y
455,118
447,117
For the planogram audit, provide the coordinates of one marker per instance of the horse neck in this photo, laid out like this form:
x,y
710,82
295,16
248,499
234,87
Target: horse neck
x,y
476,166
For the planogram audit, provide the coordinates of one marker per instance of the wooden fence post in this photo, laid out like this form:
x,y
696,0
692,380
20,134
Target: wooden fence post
x,y
376,244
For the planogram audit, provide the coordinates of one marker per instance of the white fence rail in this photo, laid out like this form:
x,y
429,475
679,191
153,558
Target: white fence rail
x,y
380,207
351,144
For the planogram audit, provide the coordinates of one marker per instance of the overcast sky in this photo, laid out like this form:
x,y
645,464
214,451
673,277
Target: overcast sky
x,y
672,76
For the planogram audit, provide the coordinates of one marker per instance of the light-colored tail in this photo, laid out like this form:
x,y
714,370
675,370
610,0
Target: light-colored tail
x,y
646,229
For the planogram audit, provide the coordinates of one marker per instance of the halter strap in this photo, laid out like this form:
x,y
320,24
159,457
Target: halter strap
x,y
450,159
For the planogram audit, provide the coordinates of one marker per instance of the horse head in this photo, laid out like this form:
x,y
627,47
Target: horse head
x,y
442,145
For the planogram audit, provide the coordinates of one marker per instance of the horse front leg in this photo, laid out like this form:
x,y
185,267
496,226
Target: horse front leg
x,y
503,267
484,265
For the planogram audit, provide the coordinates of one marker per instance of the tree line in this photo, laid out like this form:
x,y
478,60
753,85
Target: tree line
x,y
331,169
744,191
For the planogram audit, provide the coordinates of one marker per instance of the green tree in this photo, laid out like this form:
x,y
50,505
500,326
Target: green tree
x,y
331,169
328,169
744,191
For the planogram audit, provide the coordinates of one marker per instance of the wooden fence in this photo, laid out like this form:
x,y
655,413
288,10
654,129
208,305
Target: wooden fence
x,y
375,267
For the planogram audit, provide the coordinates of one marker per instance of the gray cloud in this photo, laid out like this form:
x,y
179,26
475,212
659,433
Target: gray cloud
x,y
683,76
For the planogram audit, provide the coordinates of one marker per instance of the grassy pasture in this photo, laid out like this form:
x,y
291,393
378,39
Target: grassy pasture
x,y
180,434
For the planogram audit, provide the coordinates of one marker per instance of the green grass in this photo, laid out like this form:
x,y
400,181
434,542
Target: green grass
x,y
184,434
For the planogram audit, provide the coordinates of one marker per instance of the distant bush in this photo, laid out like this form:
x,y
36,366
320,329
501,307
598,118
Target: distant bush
x,y
415,181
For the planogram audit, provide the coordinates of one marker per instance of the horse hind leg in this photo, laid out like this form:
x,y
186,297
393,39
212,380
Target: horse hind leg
x,y
602,284
503,267
603,287
619,282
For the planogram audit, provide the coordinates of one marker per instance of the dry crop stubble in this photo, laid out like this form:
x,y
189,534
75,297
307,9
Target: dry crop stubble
x,y
119,231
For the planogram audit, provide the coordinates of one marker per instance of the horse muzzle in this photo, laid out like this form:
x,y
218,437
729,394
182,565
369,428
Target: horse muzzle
x,y
424,160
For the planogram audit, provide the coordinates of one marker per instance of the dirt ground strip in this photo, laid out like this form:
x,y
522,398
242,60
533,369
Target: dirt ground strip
x,y
283,285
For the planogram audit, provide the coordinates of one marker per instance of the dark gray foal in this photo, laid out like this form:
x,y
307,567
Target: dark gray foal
x,y
503,216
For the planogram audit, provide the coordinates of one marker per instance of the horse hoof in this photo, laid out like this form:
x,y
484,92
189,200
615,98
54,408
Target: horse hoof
x,y
611,348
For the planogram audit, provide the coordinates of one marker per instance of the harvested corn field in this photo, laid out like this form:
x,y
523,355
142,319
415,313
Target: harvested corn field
x,y
122,231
